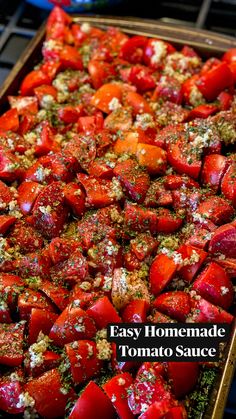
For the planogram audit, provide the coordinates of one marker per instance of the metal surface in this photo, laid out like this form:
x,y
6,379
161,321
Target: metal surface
x,y
207,43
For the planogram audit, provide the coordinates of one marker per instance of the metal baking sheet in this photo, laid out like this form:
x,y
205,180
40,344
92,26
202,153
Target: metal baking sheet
x,y
207,44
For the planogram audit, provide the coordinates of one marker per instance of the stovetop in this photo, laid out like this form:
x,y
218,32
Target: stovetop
x,y
19,22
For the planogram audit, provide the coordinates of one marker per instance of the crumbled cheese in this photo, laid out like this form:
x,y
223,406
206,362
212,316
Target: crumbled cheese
x,y
45,210
41,115
128,286
180,66
3,305
51,44
10,143
41,173
194,258
224,290
121,381
30,137
114,104
15,377
25,400
34,282
4,251
160,51
74,345
116,216
199,218
85,285
90,350
79,327
76,303
64,390
47,101
144,121
104,349
97,282
107,283
196,97
144,407
101,334
202,141
177,257
171,242
116,189
37,350
85,28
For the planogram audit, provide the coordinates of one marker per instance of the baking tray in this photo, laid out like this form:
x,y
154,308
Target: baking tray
x,y
207,44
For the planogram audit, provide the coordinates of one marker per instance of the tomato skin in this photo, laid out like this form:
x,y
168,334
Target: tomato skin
x,y
40,320
213,169
112,387
27,194
142,78
51,222
100,72
50,402
205,312
99,192
153,158
215,80
140,219
175,304
135,312
216,209
133,49
6,221
9,121
33,79
133,179
202,111
161,273
30,299
137,102
9,396
180,163
168,89
75,198
45,142
103,313
11,342
223,241
188,272
104,95
157,410
84,363
225,100
70,58
60,249
64,329
146,392
57,294
209,285
143,245
92,403
230,58
72,270
183,377
228,183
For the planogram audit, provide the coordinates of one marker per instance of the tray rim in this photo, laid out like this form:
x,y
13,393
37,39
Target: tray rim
x,y
211,42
